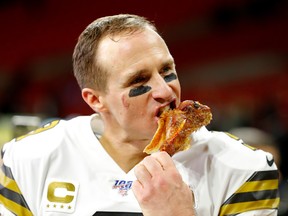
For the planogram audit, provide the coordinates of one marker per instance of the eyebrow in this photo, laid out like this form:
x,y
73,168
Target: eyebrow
x,y
169,62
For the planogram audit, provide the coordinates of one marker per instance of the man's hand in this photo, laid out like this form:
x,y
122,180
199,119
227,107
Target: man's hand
x,y
159,188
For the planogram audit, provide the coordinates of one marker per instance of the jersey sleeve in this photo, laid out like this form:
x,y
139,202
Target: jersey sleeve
x,y
20,170
258,193
12,201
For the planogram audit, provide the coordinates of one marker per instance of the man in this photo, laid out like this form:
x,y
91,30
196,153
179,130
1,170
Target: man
x,y
95,165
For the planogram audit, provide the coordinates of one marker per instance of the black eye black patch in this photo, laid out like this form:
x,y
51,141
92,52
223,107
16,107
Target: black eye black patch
x,y
170,77
139,91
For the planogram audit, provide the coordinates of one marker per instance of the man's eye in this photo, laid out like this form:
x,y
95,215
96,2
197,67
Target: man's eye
x,y
140,79
166,69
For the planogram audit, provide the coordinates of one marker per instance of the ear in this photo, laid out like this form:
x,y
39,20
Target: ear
x,y
93,99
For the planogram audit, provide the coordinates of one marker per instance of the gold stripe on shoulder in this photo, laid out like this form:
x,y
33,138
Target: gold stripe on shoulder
x,y
14,207
39,130
237,208
10,194
242,142
250,147
8,182
260,191
258,186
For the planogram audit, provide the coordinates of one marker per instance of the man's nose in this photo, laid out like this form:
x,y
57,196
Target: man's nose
x,y
162,92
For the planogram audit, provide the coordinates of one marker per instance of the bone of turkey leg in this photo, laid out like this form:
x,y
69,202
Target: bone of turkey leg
x,y
175,127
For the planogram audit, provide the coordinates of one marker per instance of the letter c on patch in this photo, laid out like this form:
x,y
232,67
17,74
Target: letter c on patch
x,y
67,189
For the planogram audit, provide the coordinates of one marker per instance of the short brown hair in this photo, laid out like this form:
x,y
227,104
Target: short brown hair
x,y
87,70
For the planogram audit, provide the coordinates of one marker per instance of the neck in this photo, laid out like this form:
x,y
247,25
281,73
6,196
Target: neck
x,y
125,154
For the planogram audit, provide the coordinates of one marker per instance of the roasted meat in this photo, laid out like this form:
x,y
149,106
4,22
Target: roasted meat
x,y
176,125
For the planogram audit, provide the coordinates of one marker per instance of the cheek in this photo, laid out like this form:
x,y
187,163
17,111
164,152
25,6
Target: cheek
x,y
131,105
125,101
177,89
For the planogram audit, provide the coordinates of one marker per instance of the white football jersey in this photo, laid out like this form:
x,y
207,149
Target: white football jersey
x,y
62,169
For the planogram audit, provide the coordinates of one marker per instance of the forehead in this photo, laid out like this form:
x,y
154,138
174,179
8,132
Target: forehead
x,y
129,51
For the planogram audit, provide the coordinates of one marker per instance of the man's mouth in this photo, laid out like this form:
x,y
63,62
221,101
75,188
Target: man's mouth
x,y
172,105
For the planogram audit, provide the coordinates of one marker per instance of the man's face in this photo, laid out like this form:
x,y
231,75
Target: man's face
x,y
142,79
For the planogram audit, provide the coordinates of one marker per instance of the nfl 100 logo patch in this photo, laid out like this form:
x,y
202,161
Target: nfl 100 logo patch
x,y
122,186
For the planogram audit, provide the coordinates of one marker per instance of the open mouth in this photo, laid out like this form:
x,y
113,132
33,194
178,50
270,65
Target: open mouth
x,y
170,106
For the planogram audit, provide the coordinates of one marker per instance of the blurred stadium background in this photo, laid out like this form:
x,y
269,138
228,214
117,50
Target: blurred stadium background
x,y
230,55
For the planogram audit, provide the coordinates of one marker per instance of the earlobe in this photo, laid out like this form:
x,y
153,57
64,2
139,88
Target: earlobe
x,y
92,98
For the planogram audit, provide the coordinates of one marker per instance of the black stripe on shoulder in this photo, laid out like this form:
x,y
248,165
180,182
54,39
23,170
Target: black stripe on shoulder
x,y
252,196
264,175
2,153
7,171
7,179
260,191
13,196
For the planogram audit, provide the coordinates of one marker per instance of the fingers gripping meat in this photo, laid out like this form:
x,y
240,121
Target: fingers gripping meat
x,y
175,127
